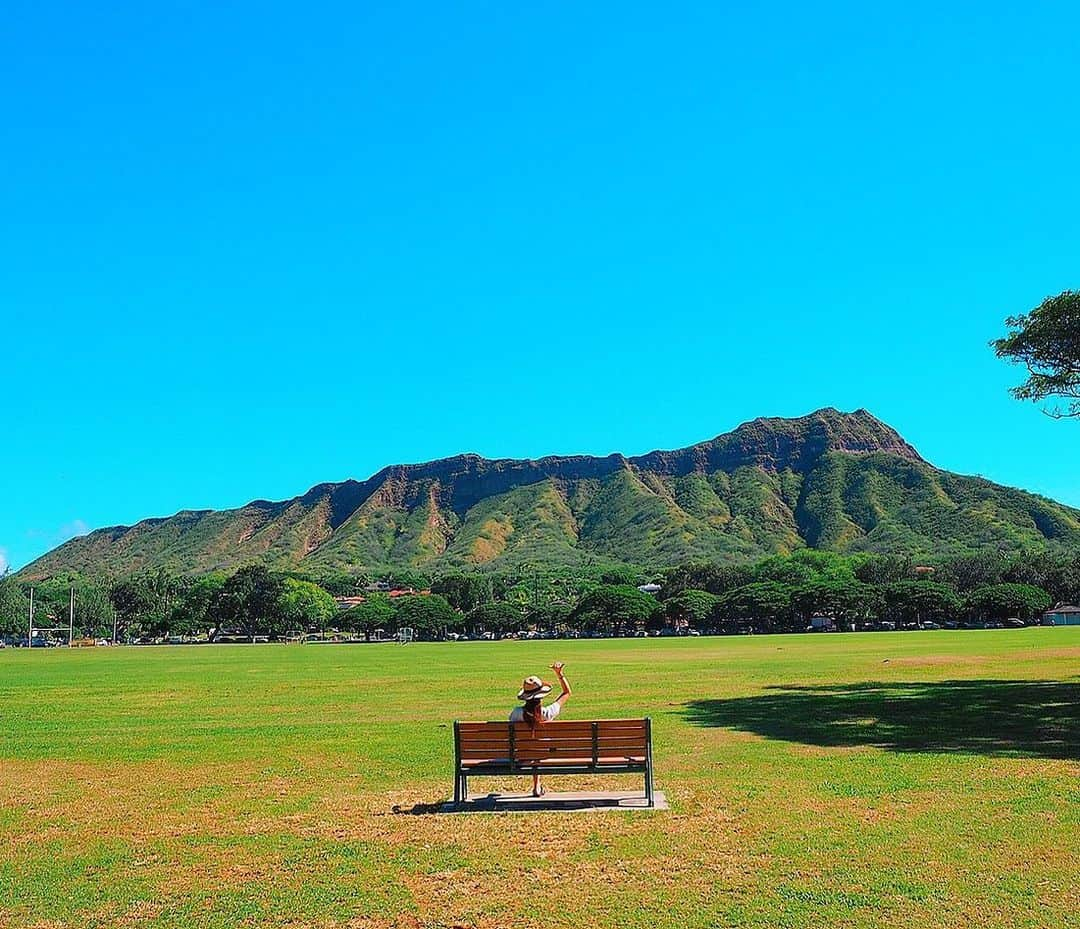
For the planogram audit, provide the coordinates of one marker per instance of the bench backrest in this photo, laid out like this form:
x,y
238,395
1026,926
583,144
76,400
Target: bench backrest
x,y
596,741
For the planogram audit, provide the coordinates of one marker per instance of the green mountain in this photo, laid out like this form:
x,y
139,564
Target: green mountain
x,y
839,481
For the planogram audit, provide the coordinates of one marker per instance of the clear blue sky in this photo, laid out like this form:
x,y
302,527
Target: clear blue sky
x,y
249,247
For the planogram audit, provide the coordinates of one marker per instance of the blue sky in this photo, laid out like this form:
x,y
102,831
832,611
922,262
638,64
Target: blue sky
x,y
251,247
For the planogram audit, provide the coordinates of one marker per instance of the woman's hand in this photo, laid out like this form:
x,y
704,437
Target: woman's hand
x,y
557,667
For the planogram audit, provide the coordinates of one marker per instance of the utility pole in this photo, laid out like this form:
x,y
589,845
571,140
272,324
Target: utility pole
x,y
30,634
71,616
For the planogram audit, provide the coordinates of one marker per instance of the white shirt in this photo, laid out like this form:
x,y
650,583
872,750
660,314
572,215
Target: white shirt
x,y
549,712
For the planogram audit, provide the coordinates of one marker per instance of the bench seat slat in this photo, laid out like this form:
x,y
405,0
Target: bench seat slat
x,y
554,743
581,758
528,739
577,744
486,740
560,722
585,760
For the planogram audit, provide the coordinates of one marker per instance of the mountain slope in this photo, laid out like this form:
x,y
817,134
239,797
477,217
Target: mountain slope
x,y
841,481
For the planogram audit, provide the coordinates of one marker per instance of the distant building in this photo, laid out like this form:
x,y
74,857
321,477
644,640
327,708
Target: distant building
x,y
1062,615
346,603
650,589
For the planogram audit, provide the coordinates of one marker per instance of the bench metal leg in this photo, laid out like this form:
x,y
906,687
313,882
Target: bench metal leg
x,y
648,763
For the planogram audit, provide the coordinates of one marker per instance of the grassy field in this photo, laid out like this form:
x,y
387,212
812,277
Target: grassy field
x,y
916,779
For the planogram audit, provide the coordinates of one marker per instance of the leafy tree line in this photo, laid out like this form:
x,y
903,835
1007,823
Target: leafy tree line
x,y
251,602
777,593
784,592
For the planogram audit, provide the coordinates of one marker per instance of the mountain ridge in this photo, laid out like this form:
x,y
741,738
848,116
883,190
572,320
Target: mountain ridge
x,y
845,481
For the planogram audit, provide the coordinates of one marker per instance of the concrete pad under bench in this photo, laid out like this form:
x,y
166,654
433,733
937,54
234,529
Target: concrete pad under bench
x,y
575,801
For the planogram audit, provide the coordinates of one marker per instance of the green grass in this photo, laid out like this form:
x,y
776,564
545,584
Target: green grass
x,y
917,779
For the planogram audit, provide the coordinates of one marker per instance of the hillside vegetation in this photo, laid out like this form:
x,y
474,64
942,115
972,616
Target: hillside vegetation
x,y
842,482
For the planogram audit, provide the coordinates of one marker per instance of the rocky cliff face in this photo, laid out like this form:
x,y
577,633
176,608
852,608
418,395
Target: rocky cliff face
x,y
835,480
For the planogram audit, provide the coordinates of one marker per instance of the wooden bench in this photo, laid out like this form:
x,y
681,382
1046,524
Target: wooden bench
x,y
604,746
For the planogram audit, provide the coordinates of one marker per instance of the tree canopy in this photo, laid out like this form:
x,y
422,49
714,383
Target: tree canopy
x,y
766,602
304,605
614,606
1047,342
1002,601
496,617
694,607
14,607
919,601
425,614
373,613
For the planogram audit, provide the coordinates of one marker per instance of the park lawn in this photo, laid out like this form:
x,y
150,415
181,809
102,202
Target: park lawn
x,y
892,779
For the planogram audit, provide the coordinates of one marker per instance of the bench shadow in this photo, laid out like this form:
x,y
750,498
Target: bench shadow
x,y
987,717
577,801
417,809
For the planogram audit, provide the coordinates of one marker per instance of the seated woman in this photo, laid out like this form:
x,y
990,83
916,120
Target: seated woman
x,y
534,713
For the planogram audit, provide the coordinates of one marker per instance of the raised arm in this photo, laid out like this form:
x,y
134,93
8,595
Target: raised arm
x,y
563,683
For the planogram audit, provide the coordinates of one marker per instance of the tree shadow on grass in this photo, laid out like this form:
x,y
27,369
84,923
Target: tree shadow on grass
x,y
1032,718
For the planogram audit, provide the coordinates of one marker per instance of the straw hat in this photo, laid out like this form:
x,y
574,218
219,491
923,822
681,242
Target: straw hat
x,y
532,688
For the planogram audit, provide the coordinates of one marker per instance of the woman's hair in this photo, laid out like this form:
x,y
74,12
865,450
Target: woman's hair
x,y
531,713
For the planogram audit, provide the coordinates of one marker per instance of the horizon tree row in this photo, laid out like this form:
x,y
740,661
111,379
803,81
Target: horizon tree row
x,y
781,592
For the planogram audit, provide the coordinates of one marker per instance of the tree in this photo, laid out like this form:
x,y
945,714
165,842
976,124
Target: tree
x,y
885,569
620,576
463,592
614,608
496,617
695,608
374,613
1047,342
1002,601
919,601
1063,580
192,615
703,575
144,602
549,616
14,607
966,572
304,605
94,611
427,615
785,570
339,583
845,600
250,600
407,578
766,603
